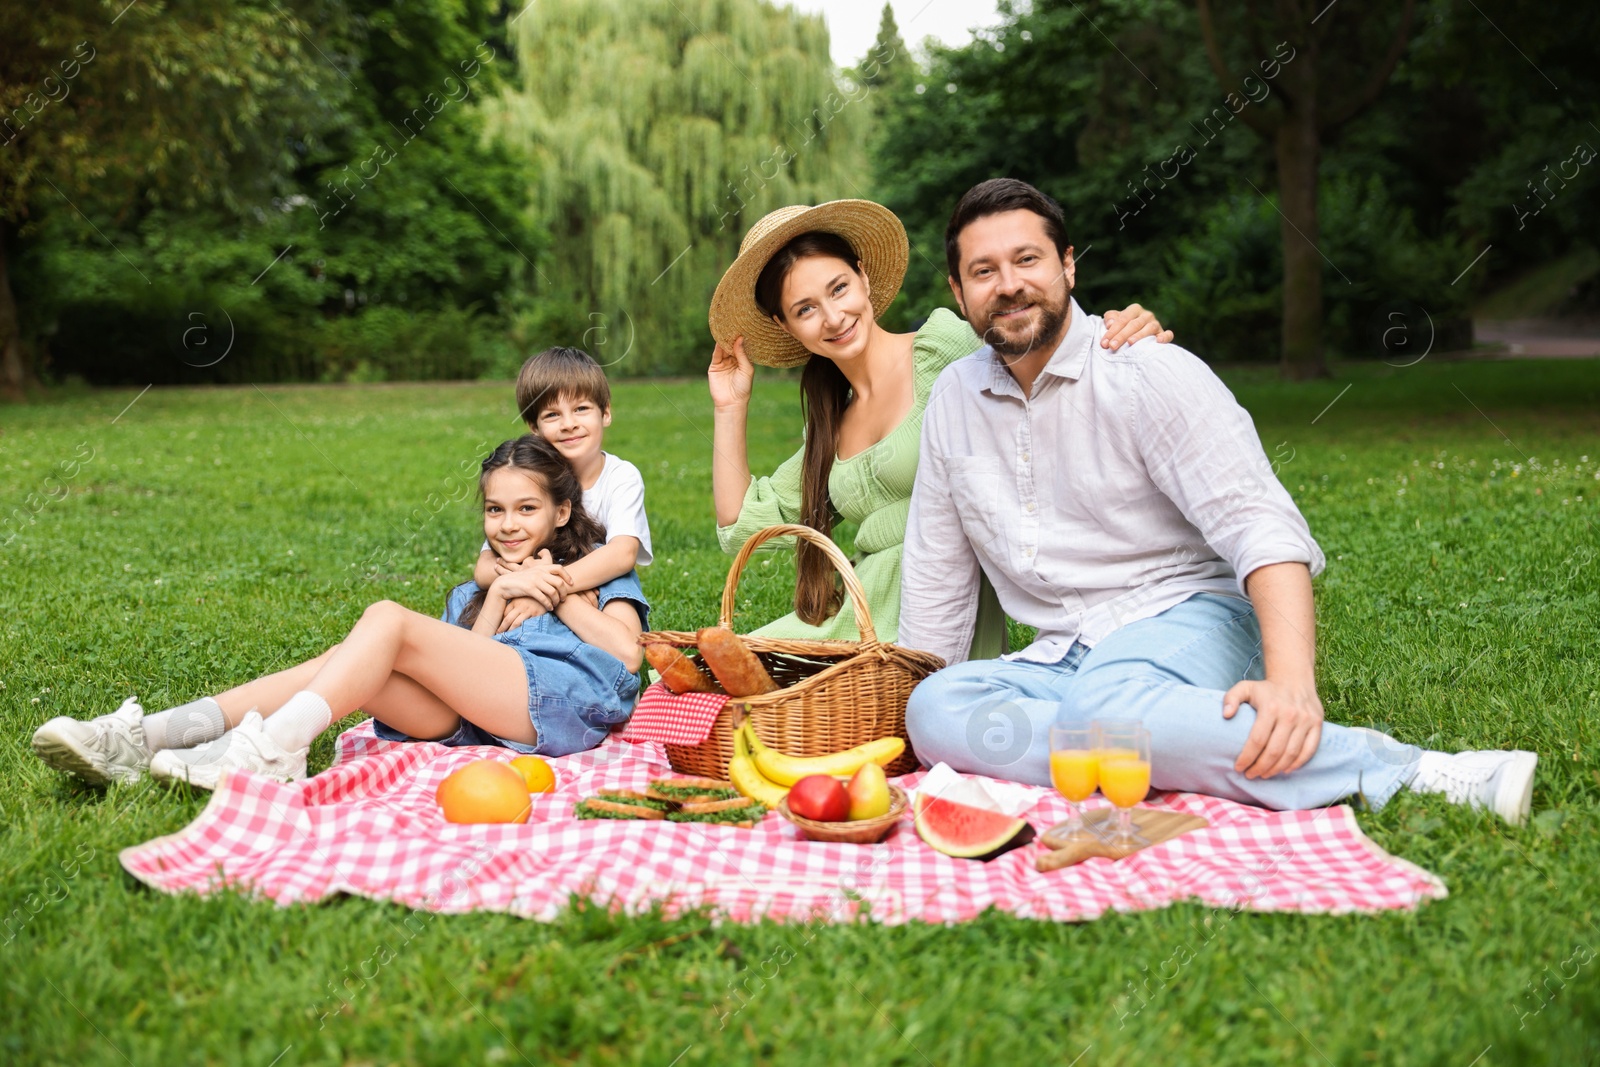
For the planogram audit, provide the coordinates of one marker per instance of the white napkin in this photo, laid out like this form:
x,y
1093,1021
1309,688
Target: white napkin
x,y
974,790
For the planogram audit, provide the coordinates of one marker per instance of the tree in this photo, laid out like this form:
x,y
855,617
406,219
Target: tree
x,y
375,241
888,73
1111,107
1525,129
1042,97
1325,80
659,131
106,107
889,64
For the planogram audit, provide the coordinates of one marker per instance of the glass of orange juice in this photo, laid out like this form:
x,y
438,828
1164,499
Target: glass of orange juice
x,y
1124,765
1074,771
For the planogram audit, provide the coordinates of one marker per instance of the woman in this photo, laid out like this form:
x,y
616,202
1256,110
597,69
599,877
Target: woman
x,y
807,288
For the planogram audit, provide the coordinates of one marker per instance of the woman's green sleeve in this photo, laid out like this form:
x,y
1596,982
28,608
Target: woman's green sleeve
x,y
768,502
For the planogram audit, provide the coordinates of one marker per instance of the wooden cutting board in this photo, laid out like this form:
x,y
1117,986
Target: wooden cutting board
x,y
1154,826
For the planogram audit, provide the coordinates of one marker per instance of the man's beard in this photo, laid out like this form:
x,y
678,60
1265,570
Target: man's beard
x,y
1051,317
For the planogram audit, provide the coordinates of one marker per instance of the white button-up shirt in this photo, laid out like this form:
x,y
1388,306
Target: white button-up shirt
x,y
1126,483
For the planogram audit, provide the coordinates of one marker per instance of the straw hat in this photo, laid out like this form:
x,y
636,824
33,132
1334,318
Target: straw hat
x,y
872,230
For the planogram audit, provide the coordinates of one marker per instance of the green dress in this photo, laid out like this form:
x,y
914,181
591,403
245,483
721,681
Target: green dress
x,y
873,489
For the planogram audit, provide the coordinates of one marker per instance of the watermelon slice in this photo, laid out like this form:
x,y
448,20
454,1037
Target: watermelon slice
x,y
966,832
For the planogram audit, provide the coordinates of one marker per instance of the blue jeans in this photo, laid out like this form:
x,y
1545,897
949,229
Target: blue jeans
x,y
570,705
465,734
1169,672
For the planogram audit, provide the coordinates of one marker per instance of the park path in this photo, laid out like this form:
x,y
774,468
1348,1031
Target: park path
x,y
1540,338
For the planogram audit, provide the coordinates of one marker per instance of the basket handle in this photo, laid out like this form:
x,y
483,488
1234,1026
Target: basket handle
x,y
852,584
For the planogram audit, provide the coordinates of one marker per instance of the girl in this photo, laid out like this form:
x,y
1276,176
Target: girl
x,y
807,289
552,686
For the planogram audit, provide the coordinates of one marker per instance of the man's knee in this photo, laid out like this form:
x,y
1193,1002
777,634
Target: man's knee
x,y
980,718
948,691
934,703
967,717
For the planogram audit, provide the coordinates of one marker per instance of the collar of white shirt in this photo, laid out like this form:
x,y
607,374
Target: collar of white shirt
x,y
1066,362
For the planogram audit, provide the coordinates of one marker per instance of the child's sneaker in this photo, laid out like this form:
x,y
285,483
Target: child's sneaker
x,y
108,748
246,747
1502,781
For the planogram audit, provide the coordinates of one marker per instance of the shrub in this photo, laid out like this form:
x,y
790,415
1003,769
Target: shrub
x,y
1224,280
382,344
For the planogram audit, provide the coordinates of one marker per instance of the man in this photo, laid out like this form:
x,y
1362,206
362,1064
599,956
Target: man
x,y
1121,503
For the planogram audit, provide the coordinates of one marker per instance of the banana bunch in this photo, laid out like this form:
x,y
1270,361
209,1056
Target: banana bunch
x,y
782,770
744,774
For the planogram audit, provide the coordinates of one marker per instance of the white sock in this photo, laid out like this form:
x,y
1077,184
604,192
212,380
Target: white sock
x,y
301,719
184,726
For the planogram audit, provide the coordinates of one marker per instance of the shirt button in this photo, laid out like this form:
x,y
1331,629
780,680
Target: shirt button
x,y
1027,457
1030,505
1027,552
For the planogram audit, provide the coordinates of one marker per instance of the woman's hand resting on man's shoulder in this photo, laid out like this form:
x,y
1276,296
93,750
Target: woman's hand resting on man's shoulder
x,y
1132,323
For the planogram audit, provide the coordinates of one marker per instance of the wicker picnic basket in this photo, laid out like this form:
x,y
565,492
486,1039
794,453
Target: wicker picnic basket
x,y
834,694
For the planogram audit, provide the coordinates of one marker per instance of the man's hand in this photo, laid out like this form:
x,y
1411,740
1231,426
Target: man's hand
x,y
1287,730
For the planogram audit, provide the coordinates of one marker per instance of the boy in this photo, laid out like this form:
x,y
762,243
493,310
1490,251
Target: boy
x,y
563,396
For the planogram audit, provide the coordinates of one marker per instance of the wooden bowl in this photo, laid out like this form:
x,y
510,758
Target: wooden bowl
x,y
855,831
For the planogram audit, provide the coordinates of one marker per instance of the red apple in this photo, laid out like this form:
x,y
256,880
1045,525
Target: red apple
x,y
820,798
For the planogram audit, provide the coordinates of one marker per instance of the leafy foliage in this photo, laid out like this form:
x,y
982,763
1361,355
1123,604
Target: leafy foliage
x,y
1224,280
114,105
181,179
384,198
658,131
1113,109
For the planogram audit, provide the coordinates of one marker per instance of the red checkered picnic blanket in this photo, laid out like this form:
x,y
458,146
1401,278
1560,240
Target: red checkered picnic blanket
x,y
369,826
672,718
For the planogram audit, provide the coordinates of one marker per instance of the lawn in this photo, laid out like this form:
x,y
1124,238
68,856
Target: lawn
x,y
201,536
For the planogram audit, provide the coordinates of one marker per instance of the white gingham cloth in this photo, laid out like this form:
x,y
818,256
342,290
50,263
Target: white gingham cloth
x,y
369,826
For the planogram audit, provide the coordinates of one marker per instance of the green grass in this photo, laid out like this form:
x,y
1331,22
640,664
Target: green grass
x,y
205,536
1540,291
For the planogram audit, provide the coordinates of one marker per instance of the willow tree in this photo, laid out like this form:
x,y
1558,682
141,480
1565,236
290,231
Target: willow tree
x,y
657,132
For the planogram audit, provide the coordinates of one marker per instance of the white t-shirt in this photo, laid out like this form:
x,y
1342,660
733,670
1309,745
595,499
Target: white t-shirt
x,y
616,501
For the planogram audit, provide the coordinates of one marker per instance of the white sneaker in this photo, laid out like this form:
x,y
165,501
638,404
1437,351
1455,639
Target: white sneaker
x,y
102,750
246,747
1502,781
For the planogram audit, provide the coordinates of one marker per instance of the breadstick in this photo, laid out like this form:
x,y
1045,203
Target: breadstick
x,y
734,665
678,672
616,809
1059,858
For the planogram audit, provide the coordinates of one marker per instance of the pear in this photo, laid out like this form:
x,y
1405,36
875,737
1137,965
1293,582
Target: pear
x,y
869,792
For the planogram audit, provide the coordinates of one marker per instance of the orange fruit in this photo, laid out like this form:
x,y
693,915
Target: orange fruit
x,y
536,772
485,790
